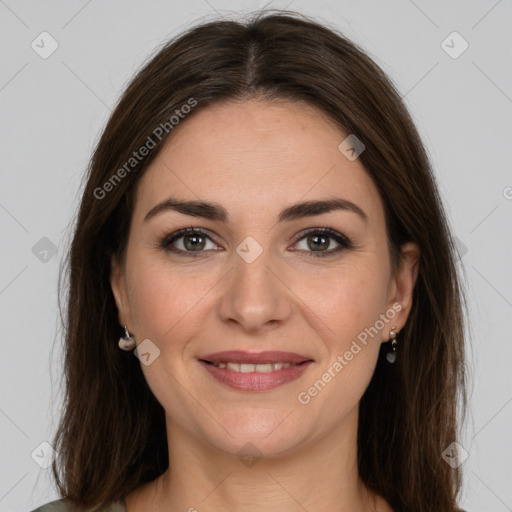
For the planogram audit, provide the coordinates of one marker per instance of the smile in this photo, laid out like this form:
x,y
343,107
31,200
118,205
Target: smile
x,y
247,368
255,377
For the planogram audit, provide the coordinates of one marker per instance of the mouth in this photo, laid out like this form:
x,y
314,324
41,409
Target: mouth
x,y
267,357
248,367
246,371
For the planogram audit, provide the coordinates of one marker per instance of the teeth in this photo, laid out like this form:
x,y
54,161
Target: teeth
x,y
247,368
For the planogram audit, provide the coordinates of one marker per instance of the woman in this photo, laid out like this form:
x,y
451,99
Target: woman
x,y
261,224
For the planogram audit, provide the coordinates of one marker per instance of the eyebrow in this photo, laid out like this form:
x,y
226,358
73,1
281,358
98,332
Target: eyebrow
x,y
214,211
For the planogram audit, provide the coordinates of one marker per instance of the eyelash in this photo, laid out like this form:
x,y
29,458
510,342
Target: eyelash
x,y
343,241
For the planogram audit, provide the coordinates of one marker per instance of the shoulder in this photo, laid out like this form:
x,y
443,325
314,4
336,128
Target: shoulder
x,y
62,506
54,506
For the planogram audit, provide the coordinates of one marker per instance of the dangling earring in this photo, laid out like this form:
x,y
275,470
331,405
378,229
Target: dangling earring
x,y
126,342
391,355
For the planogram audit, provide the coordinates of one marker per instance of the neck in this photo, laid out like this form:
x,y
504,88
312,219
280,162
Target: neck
x,y
319,475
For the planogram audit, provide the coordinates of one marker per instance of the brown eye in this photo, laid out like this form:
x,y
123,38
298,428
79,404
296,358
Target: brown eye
x,y
188,241
194,242
318,242
323,242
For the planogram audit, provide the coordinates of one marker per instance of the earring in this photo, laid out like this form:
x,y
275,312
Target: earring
x,y
126,342
391,356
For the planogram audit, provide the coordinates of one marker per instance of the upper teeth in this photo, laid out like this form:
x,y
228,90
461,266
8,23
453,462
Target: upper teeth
x,y
246,368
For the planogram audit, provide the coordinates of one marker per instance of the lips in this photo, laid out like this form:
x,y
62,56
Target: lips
x,y
242,357
255,371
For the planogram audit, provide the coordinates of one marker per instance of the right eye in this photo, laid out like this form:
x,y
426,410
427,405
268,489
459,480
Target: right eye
x,y
190,240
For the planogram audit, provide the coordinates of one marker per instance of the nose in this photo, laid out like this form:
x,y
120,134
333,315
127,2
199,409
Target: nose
x,y
255,298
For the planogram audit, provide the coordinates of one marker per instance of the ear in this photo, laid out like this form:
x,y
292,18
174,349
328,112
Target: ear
x,y
118,285
402,285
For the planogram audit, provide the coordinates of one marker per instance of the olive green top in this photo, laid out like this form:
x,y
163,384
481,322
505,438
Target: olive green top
x,y
118,506
61,506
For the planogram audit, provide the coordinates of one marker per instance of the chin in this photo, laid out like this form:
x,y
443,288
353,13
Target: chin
x,y
270,436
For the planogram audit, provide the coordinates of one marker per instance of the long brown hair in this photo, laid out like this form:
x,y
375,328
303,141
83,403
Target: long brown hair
x,y
111,437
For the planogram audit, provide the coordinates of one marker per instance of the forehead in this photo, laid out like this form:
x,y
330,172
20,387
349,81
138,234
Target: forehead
x,y
257,156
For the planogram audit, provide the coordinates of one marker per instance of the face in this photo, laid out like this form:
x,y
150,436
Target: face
x,y
254,272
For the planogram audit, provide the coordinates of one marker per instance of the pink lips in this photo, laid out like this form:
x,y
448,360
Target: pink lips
x,y
255,381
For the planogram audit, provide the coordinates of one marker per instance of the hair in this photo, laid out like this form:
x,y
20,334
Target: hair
x,y
111,437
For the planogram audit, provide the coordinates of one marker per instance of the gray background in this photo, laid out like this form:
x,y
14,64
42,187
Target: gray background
x,y
53,109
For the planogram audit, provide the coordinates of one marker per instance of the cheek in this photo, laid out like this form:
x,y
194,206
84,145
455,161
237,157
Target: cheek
x,y
347,300
357,317
351,346
350,304
163,300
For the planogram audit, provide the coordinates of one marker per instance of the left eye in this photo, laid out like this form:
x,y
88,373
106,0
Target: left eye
x,y
321,241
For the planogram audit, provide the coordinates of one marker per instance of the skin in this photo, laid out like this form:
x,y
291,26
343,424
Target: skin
x,y
255,158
